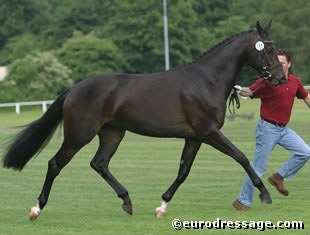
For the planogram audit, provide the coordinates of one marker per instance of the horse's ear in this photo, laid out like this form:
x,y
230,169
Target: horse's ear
x,y
268,26
262,31
258,27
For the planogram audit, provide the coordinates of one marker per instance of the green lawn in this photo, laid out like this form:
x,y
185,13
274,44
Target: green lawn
x,y
82,203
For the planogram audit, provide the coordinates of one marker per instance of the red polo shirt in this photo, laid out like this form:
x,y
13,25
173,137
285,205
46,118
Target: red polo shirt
x,y
277,101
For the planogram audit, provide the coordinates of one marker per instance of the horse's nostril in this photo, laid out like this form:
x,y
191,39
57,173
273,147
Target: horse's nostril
x,y
283,79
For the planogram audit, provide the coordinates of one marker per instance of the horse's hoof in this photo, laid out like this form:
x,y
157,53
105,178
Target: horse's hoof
x,y
127,208
159,212
265,198
34,212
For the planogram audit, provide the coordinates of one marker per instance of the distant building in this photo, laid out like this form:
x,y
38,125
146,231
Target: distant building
x,y
3,72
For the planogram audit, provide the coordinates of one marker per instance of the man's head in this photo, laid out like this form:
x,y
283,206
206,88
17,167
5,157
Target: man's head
x,y
285,59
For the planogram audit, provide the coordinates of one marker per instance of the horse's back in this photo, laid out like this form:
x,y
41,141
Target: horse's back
x,y
149,104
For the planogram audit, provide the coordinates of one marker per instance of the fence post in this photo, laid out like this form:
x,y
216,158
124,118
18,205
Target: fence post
x,y
17,108
44,106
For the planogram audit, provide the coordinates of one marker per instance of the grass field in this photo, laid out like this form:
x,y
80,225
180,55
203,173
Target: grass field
x,y
82,203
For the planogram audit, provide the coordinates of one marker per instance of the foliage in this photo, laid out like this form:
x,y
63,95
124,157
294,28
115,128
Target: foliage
x,y
21,16
66,17
139,37
89,55
18,47
291,30
144,45
131,32
186,43
39,76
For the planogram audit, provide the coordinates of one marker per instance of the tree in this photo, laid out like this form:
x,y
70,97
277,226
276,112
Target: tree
x,y
137,29
188,38
211,12
20,16
66,17
231,26
290,30
88,55
18,47
127,36
36,77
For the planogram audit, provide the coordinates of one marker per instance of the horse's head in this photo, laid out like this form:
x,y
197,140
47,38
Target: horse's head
x,y
265,59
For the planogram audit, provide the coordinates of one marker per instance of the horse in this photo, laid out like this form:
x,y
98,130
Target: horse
x,y
188,102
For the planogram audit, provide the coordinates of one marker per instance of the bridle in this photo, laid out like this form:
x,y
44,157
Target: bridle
x,y
266,74
266,71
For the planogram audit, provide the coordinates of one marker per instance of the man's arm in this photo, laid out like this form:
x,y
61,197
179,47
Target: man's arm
x,y
243,91
307,100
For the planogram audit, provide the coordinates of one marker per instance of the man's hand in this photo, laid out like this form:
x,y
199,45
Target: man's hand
x,y
243,92
238,88
307,100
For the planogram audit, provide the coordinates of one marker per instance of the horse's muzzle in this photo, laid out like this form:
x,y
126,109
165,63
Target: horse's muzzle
x,y
278,80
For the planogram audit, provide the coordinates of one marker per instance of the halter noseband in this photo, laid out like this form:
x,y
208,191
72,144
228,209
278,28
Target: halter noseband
x,y
266,74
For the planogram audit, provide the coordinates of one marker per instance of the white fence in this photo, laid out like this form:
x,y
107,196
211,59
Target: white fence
x,y
17,105
44,103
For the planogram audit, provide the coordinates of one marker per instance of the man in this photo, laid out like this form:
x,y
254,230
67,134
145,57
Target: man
x,y
275,111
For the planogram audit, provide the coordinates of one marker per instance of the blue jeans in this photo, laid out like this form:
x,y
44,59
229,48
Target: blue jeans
x,y
267,136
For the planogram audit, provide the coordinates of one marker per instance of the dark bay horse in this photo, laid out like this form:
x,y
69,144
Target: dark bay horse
x,y
186,102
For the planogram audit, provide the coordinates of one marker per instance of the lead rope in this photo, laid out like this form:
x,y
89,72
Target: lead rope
x,y
234,97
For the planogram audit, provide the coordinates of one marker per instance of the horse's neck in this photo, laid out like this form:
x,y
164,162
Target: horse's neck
x,y
222,65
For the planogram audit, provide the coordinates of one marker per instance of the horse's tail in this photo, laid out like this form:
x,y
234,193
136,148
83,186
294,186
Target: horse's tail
x,y
34,137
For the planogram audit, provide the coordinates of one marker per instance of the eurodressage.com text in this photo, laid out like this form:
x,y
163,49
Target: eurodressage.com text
x,y
178,224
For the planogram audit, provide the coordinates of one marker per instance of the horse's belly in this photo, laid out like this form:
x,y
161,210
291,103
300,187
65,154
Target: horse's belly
x,y
155,130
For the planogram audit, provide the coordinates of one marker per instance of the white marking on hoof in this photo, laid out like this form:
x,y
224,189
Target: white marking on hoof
x,y
161,211
34,212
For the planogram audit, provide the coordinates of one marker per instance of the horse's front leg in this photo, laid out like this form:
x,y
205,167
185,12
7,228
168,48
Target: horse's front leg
x,y
217,140
190,150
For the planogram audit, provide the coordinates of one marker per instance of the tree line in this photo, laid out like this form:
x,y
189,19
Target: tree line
x,y
50,45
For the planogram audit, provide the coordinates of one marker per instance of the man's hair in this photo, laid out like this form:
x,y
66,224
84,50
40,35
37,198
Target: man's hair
x,y
285,53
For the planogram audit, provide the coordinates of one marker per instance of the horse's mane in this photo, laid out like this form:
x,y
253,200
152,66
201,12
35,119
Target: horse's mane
x,y
222,43
225,41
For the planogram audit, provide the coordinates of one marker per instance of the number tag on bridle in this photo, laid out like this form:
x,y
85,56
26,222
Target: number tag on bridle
x,y
259,46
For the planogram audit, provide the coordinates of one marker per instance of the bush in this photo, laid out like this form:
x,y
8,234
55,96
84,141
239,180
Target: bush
x,y
88,55
35,77
18,47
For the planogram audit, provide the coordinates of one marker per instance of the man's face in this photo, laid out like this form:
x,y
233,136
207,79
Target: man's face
x,y
285,64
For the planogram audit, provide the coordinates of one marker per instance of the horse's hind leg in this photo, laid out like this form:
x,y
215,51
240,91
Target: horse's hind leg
x,y
59,161
190,150
220,142
110,138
